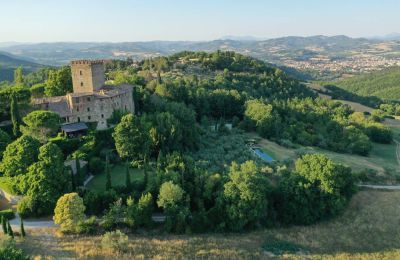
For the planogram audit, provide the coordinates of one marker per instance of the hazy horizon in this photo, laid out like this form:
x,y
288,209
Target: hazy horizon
x,y
188,20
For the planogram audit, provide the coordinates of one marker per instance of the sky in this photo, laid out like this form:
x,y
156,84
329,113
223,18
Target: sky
x,y
146,20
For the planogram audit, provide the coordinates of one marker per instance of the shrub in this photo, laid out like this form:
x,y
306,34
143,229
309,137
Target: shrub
x,y
9,251
116,241
7,213
87,226
25,206
69,212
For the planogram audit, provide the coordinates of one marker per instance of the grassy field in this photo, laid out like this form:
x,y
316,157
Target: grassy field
x,y
98,183
382,158
357,107
368,229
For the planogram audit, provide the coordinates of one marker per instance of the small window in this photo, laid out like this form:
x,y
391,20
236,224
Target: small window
x,y
88,99
79,119
102,116
77,109
88,109
89,117
80,72
77,100
81,84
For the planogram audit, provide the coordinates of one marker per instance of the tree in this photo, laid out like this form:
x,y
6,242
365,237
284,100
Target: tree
x,y
108,175
4,225
18,76
23,234
317,189
46,181
171,198
127,176
19,155
59,82
15,117
78,173
4,141
261,116
9,230
357,141
41,124
139,214
73,180
131,139
245,195
167,132
69,212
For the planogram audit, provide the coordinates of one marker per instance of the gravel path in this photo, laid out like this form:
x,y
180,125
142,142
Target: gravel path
x,y
29,224
381,187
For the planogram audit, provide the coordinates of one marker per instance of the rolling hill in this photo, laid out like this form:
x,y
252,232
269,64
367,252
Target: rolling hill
x,y
9,62
383,84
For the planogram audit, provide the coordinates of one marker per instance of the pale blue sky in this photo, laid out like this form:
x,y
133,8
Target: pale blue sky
x,y
144,20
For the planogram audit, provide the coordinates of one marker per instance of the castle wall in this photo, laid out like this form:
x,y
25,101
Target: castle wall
x,y
93,108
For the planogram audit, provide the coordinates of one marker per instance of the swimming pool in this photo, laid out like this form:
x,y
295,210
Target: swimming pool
x,y
263,155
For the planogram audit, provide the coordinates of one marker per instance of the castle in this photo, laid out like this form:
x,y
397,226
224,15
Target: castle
x,y
91,100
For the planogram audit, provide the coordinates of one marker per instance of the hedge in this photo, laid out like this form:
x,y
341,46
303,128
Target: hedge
x,y
7,213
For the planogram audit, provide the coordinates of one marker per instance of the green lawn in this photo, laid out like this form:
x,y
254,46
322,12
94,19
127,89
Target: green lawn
x,y
98,183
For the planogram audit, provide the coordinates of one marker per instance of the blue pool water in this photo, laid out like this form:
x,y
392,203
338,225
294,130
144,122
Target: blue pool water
x,y
263,155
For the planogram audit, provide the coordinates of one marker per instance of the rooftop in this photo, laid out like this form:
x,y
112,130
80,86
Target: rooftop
x,y
74,127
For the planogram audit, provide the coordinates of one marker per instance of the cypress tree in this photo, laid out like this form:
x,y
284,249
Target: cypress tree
x,y
77,176
23,234
128,177
15,117
159,80
108,175
4,225
18,76
9,230
73,182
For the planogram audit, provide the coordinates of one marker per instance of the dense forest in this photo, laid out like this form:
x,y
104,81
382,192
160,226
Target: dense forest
x,y
196,169
383,84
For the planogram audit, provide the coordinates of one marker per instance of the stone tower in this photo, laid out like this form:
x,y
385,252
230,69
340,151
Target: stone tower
x,y
87,76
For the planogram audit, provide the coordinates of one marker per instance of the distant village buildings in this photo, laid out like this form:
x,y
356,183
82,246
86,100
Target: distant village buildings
x,y
91,100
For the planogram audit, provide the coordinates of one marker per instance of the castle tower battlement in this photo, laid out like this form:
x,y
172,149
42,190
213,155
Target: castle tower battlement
x,y
87,75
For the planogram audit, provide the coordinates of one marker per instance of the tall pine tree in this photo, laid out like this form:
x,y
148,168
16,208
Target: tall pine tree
x,y
15,117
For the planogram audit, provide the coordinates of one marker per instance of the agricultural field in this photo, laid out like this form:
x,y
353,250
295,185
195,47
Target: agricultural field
x,y
368,229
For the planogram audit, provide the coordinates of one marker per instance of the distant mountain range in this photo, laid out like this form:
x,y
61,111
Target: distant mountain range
x,y
388,37
317,57
9,62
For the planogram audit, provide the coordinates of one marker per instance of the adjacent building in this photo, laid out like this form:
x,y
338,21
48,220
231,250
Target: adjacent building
x,y
91,100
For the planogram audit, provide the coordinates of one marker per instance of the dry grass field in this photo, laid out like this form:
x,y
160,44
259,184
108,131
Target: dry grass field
x,y
368,229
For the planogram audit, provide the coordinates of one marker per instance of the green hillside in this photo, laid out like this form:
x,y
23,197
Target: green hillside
x,y
383,84
8,63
